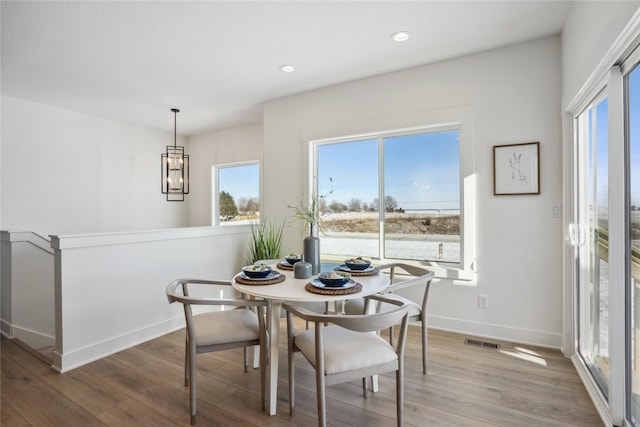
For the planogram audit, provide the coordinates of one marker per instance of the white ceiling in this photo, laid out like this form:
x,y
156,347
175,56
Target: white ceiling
x,y
218,61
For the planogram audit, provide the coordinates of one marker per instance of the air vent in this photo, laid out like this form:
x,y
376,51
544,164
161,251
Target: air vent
x,y
479,343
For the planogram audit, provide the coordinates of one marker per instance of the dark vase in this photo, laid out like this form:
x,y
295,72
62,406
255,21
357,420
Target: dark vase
x,y
311,249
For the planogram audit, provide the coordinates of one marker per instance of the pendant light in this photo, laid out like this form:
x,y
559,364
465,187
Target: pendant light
x,y
175,168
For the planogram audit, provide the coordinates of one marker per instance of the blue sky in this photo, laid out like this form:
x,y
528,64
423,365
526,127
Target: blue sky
x,y
240,181
420,171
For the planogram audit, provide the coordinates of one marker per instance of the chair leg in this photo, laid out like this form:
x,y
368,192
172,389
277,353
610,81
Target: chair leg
x,y
246,359
322,410
424,347
292,385
186,362
192,383
263,374
399,395
364,387
256,356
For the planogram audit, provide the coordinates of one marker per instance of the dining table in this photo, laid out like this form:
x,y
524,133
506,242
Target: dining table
x,y
284,287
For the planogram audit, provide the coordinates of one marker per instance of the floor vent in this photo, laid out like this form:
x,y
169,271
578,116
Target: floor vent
x,y
479,343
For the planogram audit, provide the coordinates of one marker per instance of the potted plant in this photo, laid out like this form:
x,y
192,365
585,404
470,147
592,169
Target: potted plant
x,y
266,241
309,214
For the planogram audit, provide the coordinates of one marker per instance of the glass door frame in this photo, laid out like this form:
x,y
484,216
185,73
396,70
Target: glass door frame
x,y
611,406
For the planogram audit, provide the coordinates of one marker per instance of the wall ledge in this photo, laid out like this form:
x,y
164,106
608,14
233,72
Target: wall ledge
x,y
74,241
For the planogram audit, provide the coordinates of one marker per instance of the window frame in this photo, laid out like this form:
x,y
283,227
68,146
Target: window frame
x,y
462,120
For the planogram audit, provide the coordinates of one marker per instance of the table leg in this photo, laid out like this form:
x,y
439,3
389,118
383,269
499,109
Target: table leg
x,y
274,338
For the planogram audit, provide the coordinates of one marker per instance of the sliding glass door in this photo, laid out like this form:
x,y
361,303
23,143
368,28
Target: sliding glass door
x,y
633,238
590,234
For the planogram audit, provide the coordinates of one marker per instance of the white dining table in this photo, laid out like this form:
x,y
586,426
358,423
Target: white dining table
x,y
293,290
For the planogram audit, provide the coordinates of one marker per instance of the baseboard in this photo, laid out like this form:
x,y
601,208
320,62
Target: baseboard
x,y
31,338
74,359
500,332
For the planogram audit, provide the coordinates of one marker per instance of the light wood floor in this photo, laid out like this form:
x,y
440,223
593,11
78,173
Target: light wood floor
x,y
143,386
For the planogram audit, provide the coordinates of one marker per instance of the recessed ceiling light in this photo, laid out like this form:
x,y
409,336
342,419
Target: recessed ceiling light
x,y
287,68
400,36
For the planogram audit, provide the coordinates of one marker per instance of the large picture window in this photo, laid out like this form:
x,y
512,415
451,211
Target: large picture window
x,y
390,196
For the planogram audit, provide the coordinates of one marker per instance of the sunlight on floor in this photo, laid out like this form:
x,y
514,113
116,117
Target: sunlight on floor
x,y
526,355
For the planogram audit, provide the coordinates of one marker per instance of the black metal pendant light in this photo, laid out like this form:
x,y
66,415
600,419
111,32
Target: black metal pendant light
x,y
175,168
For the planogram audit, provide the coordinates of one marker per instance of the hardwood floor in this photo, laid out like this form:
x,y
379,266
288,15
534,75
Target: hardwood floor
x,y
466,385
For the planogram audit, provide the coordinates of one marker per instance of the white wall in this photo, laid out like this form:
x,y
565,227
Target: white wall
x,y
589,32
27,289
64,172
515,95
110,288
232,145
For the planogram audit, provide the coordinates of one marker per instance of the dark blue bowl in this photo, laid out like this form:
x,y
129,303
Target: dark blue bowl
x,y
329,278
357,264
256,271
292,259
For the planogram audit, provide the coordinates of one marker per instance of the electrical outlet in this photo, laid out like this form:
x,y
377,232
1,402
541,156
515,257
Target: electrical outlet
x,y
483,301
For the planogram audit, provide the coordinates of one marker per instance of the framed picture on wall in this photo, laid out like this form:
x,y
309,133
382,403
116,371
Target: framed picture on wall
x,y
516,169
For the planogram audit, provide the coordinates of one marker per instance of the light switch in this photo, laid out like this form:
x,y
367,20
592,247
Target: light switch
x,y
555,211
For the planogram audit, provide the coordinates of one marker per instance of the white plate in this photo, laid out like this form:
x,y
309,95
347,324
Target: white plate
x,y
285,262
344,267
318,284
273,275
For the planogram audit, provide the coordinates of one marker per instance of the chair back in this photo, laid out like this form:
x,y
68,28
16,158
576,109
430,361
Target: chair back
x,y
417,276
178,291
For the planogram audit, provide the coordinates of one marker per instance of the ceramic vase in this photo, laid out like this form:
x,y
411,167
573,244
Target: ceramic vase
x,y
302,269
311,249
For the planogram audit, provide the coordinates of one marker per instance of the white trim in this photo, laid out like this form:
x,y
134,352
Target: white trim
x,y
615,55
109,239
599,401
27,236
498,332
617,245
461,118
74,359
33,339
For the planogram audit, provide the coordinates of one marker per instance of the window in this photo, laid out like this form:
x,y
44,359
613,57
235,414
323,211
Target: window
x,y
393,195
236,193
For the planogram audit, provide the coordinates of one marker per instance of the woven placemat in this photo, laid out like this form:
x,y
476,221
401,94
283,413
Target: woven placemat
x,y
359,273
282,266
333,291
245,281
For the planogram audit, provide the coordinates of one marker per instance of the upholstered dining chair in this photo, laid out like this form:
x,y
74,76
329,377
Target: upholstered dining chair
x,y
319,307
236,325
347,349
402,276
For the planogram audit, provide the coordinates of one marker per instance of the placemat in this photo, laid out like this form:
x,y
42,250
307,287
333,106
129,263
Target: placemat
x,y
284,266
337,291
244,281
359,273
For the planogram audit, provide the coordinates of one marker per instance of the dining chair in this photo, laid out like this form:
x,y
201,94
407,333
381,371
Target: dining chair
x,y
235,325
347,349
402,276
319,307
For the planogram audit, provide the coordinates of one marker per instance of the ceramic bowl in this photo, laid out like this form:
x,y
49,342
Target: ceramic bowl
x,y
334,278
292,259
256,271
357,263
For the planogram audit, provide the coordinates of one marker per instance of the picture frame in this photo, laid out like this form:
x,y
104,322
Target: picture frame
x,y
516,169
